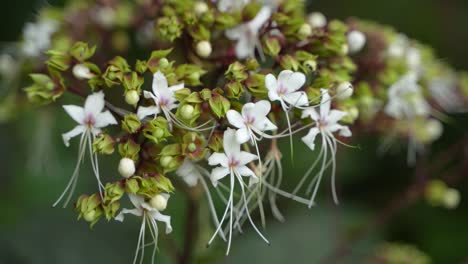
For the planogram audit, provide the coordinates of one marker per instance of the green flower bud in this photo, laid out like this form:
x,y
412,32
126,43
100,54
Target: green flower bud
x,y
193,146
187,111
190,74
168,28
157,130
132,97
310,66
290,63
234,90
166,161
251,64
59,60
203,49
132,185
256,85
451,198
271,46
435,191
45,89
81,51
158,60
104,144
89,208
216,142
114,73
304,31
219,105
236,72
141,66
130,149
131,123
89,216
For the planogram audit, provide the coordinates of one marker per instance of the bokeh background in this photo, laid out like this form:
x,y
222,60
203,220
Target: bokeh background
x,y
35,166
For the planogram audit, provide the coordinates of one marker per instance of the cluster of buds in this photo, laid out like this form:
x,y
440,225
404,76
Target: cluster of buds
x,y
227,81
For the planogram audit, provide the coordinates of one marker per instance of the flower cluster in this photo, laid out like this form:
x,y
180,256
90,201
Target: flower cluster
x,y
209,88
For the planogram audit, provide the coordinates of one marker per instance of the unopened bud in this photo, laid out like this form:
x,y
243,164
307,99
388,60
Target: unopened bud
x,y
192,147
159,202
132,97
451,198
344,91
163,63
166,161
317,20
200,8
434,129
304,31
345,49
82,72
89,216
187,111
356,41
126,167
204,48
311,65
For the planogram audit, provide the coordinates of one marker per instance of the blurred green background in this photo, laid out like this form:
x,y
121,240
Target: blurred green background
x,y
35,166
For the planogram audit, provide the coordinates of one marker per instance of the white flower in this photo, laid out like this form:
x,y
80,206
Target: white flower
x,y
326,123
204,48
398,47
150,216
356,41
252,120
285,89
405,99
90,119
233,162
247,34
163,97
37,37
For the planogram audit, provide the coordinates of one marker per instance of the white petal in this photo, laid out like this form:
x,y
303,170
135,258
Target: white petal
x,y
163,218
218,159
246,157
292,81
245,171
265,125
177,87
149,95
325,103
94,103
120,216
218,173
159,82
189,173
344,130
262,16
230,144
242,135
76,112
147,111
271,84
296,99
245,47
309,139
137,200
335,115
72,133
235,33
310,112
104,119
235,118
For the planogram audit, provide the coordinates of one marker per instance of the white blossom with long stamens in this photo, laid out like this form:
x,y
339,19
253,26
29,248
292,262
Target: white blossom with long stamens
x,y
252,121
247,34
150,215
233,162
326,123
90,118
163,96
